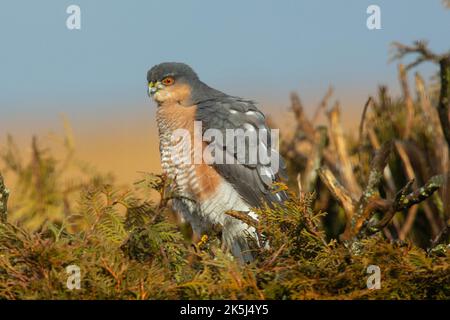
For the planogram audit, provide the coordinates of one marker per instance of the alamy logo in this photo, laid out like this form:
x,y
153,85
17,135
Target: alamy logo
x,y
374,280
374,20
74,278
73,21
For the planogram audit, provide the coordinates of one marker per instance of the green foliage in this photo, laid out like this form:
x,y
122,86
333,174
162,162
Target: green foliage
x,y
140,253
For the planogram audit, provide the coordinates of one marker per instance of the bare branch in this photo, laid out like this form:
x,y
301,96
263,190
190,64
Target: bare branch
x,y
444,97
370,200
363,118
442,236
302,121
424,54
377,166
359,214
407,99
338,191
387,172
409,221
424,192
401,150
244,217
420,47
410,174
322,105
405,200
4,195
429,113
337,138
315,159
300,187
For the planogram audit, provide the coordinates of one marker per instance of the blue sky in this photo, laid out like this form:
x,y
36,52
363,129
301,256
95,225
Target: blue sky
x,y
257,49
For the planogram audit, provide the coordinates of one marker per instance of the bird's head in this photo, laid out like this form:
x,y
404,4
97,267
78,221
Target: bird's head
x,y
171,82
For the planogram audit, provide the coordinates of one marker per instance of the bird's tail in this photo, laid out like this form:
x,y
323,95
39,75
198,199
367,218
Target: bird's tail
x,y
242,240
241,249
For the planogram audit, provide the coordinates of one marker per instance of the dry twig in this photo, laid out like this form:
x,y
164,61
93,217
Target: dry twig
x,y
424,54
322,105
363,118
303,123
4,195
408,101
359,213
314,160
244,217
337,138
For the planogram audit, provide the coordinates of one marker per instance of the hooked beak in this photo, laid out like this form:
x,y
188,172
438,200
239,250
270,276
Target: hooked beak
x,y
152,88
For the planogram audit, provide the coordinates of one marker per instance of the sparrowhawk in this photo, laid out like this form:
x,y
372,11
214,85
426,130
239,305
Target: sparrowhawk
x,y
206,190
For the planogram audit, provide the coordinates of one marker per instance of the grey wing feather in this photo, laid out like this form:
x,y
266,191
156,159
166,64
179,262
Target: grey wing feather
x,y
253,180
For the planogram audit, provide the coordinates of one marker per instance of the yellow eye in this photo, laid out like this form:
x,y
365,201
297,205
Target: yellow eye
x,y
168,81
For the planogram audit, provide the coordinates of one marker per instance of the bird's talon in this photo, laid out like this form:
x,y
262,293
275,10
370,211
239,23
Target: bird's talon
x,y
202,241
